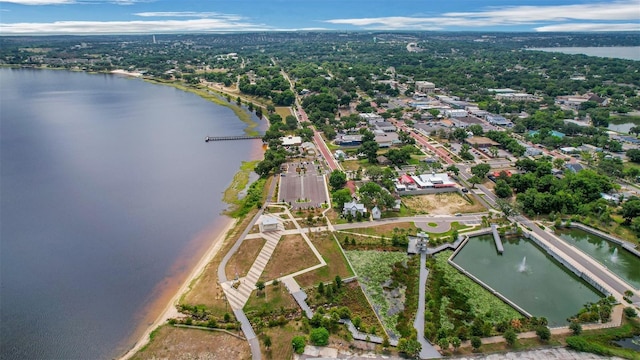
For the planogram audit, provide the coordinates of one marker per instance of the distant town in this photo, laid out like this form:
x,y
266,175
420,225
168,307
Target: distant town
x,y
422,194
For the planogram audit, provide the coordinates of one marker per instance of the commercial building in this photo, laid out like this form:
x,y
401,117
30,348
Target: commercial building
x,y
425,87
480,142
433,180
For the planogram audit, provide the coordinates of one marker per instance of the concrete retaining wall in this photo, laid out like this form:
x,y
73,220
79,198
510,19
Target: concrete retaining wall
x,y
629,247
566,264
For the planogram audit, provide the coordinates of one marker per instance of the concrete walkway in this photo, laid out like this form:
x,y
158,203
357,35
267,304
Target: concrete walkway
x,y
238,296
441,227
427,351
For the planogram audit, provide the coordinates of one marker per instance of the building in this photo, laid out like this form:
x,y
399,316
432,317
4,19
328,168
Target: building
x,y
532,151
425,87
385,126
269,223
371,118
348,140
480,142
456,113
339,155
433,180
502,91
291,140
517,97
382,160
353,208
575,167
498,120
376,214
569,150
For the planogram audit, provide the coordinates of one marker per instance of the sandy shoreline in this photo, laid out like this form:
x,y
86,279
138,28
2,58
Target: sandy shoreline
x,y
170,310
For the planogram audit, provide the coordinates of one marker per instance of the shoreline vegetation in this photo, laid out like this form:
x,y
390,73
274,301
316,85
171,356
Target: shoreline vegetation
x,y
233,216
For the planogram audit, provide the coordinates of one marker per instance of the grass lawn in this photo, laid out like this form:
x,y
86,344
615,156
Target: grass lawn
x,y
291,254
168,342
615,228
600,341
386,230
241,261
283,111
281,337
441,204
269,301
336,262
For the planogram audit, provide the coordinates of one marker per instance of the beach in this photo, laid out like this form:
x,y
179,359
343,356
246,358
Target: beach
x,y
170,310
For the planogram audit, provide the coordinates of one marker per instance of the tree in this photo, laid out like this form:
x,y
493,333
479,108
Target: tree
x,y
476,129
238,101
476,342
337,179
474,180
338,281
340,197
631,209
260,285
319,336
502,189
454,169
321,288
481,170
575,327
267,341
464,152
510,337
494,151
271,109
633,155
543,333
443,343
298,343
370,149
558,163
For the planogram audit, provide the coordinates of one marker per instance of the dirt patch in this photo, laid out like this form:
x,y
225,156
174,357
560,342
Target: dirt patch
x,y
177,343
241,261
336,262
441,204
292,254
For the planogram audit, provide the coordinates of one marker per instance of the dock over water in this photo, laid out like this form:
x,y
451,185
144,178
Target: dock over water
x,y
237,137
496,238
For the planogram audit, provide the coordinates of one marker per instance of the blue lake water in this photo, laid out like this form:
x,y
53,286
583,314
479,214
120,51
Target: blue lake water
x,y
106,190
617,52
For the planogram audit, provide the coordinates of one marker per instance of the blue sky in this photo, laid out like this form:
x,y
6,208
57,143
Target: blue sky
x,y
167,16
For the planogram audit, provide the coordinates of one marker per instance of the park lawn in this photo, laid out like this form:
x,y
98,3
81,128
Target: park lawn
x,y
404,212
350,165
290,255
332,255
272,299
441,204
283,111
205,290
615,228
168,341
281,337
241,262
386,230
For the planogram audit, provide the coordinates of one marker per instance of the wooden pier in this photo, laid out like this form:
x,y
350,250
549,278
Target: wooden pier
x,y
238,137
496,238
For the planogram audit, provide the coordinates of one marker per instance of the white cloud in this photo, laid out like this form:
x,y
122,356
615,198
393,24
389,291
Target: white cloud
x,y
579,27
506,16
129,27
38,2
191,14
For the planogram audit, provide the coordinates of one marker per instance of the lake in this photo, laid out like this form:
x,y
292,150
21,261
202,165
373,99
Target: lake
x,y
617,52
107,189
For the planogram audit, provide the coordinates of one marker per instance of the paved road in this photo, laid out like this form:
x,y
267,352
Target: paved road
x,y
475,218
489,197
421,140
600,273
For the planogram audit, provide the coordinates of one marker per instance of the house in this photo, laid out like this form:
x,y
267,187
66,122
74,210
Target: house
x,y
269,223
406,180
568,150
575,167
291,140
376,213
498,120
532,151
382,160
353,208
348,140
385,126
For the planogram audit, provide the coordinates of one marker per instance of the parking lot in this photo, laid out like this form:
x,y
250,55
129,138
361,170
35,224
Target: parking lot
x,y
302,186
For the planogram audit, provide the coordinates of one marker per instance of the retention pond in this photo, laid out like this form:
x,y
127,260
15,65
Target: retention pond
x,y
527,276
615,257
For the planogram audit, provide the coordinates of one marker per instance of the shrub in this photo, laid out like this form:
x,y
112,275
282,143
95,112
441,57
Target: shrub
x,y
543,333
319,336
510,337
298,344
476,342
576,328
630,312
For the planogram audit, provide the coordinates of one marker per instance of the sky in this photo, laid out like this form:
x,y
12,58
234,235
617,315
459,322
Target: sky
x,y
39,17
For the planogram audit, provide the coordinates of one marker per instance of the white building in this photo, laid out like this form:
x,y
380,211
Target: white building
x,y
353,208
425,87
456,113
517,97
376,213
269,223
433,180
291,140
